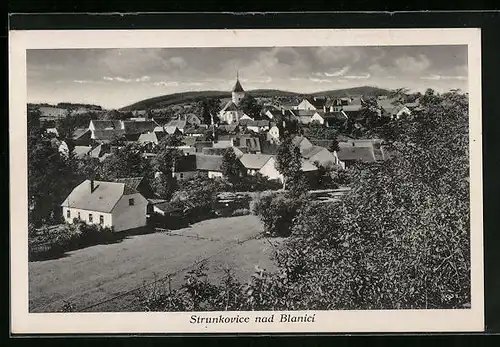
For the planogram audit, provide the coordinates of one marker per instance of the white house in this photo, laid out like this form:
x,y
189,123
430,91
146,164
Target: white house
x,y
269,169
273,135
116,205
253,163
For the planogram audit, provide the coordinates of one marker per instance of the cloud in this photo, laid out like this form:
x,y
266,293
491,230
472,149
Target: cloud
x,y
127,80
440,77
413,64
358,77
81,81
143,79
340,72
377,69
166,84
193,83
319,80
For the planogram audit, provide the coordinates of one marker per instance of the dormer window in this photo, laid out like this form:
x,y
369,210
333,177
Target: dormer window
x,y
131,202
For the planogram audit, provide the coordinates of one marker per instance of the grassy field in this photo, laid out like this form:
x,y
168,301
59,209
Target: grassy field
x,y
89,276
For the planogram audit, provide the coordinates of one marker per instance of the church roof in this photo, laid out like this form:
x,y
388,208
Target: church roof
x,y
237,87
230,106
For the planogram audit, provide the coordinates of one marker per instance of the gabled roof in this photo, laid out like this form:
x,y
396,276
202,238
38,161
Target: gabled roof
x,y
237,87
317,102
254,161
185,163
148,138
230,106
178,123
81,151
108,135
254,123
307,166
303,113
102,199
208,162
131,184
138,127
106,124
341,116
311,151
221,150
81,132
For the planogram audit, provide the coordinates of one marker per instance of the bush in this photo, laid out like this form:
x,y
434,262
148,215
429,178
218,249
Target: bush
x,y
257,183
241,212
55,240
277,211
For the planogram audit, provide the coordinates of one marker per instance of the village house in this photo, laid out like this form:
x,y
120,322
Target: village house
x,y
190,165
221,151
245,142
392,108
321,156
253,163
105,131
256,126
116,205
81,137
312,104
273,135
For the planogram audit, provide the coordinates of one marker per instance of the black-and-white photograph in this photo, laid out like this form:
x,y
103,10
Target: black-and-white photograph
x,y
283,178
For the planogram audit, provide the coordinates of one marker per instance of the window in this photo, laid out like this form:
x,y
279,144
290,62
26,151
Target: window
x,y
131,202
101,219
181,175
68,214
90,217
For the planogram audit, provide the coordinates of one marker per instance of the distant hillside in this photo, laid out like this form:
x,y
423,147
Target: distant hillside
x,y
184,97
364,90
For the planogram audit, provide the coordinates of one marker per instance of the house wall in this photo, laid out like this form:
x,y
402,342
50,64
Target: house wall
x,y
84,216
269,171
317,118
129,217
237,96
274,132
215,174
184,175
254,128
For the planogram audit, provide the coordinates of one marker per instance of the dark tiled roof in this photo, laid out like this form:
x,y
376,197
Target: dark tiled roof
x,y
138,127
79,133
237,87
311,151
108,135
131,184
185,163
230,106
317,102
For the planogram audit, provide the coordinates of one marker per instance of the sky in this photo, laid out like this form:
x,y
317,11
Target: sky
x,y
114,78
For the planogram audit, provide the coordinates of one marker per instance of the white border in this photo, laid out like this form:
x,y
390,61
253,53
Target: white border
x,y
326,321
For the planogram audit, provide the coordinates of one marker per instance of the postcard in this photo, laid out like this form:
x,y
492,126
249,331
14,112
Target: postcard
x,y
246,181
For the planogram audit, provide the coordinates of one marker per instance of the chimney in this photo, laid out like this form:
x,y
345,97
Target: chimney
x,y
92,185
283,111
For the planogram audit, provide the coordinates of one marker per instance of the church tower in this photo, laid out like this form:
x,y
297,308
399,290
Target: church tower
x,y
238,93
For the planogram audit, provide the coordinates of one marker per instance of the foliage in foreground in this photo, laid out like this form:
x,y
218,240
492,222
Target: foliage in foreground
x,y
53,241
398,240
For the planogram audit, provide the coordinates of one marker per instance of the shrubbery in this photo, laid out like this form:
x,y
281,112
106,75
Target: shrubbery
x,y
55,240
277,211
241,212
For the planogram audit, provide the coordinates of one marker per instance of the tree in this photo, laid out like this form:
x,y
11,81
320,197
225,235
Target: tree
x,y
50,176
250,106
208,107
231,167
163,163
66,125
288,161
126,161
170,140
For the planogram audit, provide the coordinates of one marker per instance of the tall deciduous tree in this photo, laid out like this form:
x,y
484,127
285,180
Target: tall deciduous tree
x,y
126,161
288,161
209,107
231,167
250,106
